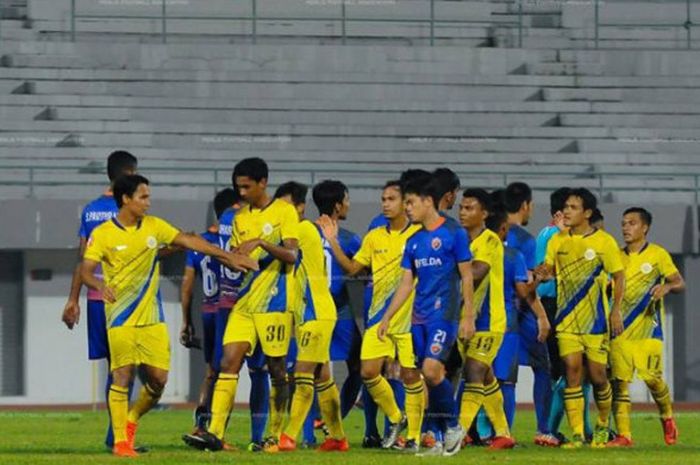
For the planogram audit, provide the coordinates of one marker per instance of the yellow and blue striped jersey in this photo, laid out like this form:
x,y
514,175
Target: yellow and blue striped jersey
x,y
582,264
266,289
311,290
642,318
381,251
489,295
129,258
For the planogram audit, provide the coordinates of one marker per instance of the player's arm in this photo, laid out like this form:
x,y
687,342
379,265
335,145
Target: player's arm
x,y
526,292
467,326
618,292
71,311
87,275
400,296
232,260
330,232
674,283
186,291
479,271
287,252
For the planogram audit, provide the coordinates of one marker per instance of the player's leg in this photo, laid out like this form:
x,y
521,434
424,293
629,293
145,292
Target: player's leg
x,y
650,367
329,404
571,350
413,387
202,413
302,399
622,371
349,336
392,372
259,400
597,350
123,349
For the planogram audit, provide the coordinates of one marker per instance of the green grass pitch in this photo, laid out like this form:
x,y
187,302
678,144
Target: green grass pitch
x,y
75,438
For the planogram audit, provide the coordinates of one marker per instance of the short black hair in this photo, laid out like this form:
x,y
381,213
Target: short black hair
x,y
447,181
557,199
127,185
224,200
516,194
597,216
424,186
119,162
589,200
394,183
481,196
497,217
327,194
294,189
413,174
498,199
643,213
254,168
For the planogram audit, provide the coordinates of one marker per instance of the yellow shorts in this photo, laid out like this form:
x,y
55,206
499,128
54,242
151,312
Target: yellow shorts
x,y
394,346
643,356
314,341
483,347
273,330
595,346
139,345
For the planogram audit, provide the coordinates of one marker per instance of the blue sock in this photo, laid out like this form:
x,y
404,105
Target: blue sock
x,y
349,392
442,404
483,425
556,412
508,391
458,396
259,403
587,389
542,395
370,412
309,433
400,396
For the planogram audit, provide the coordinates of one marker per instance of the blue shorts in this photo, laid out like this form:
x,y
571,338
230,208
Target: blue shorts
x,y
98,346
255,361
434,340
505,365
532,352
209,336
346,342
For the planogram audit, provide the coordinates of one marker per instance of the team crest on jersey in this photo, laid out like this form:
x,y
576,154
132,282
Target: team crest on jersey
x,y
589,254
436,243
151,242
435,348
267,229
646,268
274,291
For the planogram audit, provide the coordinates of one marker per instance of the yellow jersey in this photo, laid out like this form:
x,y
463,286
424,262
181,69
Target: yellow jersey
x,y
381,251
582,264
645,269
489,295
312,296
265,290
131,268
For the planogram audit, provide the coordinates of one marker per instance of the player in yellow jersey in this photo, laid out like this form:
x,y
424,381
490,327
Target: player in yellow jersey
x,y
267,230
488,321
650,275
315,316
127,248
381,252
582,258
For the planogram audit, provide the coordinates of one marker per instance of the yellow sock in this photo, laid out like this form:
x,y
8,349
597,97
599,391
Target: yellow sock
x,y
472,400
415,407
279,398
662,397
222,403
574,405
380,390
329,404
603,400
622,406
493,405
301,403
148,398
118,400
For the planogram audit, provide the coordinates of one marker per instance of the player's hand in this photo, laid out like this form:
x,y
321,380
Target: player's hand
x,y
543,328
558,220
541,273
186,334
240,262
329,227
616,322
382,329
658,292
467,329
248,246
108,295
71,314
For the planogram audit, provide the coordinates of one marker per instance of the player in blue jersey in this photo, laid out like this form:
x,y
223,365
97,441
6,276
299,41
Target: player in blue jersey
x,y
229,281
207,270
95,213
431,257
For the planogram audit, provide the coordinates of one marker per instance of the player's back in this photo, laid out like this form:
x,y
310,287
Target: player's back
x,y
350,243
514,272
229,280
489,298
207,269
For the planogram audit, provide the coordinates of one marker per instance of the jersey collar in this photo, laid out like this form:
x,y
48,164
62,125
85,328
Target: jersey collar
x,y
644,247
437,224
595,230
120,226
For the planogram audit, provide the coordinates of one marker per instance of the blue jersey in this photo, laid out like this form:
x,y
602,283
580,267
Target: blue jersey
x,y
519,238
229,280
208,269
350,243
102,209
548,288
514,272
378,222
433,257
